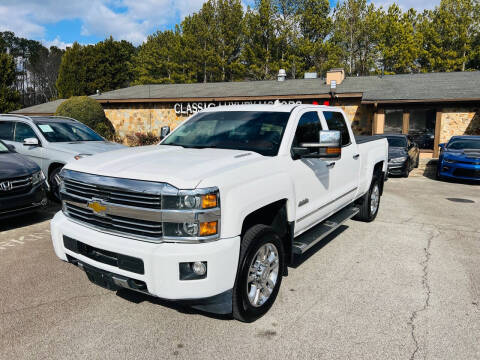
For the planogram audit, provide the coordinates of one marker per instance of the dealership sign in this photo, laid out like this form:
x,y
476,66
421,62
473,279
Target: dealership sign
x,y
189,108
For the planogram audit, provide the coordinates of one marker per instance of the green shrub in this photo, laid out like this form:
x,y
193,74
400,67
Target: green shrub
x,y
89,112
141,139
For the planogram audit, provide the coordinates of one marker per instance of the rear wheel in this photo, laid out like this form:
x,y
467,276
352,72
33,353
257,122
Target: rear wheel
x,y
406,172
370,202
259,274
417,162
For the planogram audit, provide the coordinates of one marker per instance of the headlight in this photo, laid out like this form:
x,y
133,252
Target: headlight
x,y
37,177
191,214
398,159
81,156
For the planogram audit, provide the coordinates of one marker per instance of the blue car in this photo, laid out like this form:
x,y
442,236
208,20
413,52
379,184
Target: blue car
x,y
460,158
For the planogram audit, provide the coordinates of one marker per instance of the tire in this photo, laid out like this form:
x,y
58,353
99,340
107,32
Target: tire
x,y
54,185
407,169
417,163
437,174
248,304
368,213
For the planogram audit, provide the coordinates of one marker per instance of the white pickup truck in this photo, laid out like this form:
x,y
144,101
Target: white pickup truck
x,y
216,212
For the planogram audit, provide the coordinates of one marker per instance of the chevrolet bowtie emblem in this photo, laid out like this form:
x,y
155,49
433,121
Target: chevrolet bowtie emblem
x,y
97,207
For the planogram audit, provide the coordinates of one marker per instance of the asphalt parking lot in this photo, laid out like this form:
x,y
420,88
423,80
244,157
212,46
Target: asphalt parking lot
x,y
406,286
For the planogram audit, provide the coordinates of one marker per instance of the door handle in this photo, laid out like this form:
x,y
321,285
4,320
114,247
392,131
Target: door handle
x,y
356,156
331,165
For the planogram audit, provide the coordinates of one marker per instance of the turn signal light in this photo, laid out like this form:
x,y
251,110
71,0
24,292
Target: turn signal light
x,y
208,228
333,150
209,201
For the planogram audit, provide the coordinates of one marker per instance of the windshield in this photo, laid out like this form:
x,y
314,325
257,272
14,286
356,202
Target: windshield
x,y
460,144
3,148
55,131
260,132
396,142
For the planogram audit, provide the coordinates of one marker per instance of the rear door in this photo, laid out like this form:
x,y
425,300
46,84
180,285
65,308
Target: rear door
x,y
344,173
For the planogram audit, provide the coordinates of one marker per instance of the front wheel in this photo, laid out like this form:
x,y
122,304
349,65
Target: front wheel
x,y
54,181
259,275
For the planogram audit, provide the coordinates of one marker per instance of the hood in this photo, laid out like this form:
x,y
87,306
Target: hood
x,y
85,147
14,165
462,155
394,152
182,168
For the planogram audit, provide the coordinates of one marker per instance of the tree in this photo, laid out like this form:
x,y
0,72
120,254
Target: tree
x,y
88,111
9,97
398,43
448,34
72,75
260,42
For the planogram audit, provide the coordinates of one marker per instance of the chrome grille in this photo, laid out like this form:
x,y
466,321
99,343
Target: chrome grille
x,y
114,196
113,223
15,186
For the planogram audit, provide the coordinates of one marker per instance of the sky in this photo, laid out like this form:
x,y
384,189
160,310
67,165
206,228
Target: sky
x,y
61,22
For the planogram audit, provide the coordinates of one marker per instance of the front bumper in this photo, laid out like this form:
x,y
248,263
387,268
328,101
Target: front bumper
x,y
161,261
397,168
19,204
459,171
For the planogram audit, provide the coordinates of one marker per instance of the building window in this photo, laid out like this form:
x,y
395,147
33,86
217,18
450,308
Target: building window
x,y
422,127
393,121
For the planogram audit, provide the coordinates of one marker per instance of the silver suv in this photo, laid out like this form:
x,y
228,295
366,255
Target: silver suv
x,y
52,141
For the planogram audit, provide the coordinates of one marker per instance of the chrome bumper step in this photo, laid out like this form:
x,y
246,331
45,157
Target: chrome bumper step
x,y
311,237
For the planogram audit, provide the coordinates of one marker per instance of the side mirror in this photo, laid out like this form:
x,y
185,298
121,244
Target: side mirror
x,y
164,131
329,147
31,142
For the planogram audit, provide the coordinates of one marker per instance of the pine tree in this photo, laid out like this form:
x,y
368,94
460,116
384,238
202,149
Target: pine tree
x,y
9,97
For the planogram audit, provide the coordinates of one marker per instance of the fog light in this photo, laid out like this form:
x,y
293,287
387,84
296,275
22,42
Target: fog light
x,y
193,270
199,268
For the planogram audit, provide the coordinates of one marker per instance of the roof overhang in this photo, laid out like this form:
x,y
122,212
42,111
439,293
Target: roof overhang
x,y
417,101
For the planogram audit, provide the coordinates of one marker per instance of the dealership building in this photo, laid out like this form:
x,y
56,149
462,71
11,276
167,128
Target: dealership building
x,y
431,107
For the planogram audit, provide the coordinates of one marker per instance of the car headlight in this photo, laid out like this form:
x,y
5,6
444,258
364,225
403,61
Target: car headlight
x,y
81,156
38,177
191,214
399,159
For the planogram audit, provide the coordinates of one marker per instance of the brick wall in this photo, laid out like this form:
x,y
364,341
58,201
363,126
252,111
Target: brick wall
x,y
459,121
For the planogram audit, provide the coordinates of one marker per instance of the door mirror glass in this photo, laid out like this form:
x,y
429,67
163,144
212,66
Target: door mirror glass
x,y
30,142
164,131
329,146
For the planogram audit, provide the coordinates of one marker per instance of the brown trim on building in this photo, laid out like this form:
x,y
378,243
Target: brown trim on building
x,y
231,98
425,101
438,130
406,122
378,125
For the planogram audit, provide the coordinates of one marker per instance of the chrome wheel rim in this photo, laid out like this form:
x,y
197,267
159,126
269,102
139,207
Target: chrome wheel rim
x,y
262,274
374,199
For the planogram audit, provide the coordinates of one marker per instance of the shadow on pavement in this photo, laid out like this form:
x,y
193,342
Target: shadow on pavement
x,y
30,218
182,307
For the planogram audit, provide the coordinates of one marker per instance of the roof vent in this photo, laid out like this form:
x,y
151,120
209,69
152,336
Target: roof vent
x,y
282,75
310,75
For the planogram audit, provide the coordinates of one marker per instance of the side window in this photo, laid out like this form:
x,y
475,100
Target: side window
x,y
308,129
335,121
6,130
23,131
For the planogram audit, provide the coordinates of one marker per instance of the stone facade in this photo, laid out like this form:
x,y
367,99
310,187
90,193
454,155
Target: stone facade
x,y
459,121
129,118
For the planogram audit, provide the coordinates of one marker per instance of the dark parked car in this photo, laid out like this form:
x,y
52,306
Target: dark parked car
x,y
403,154
460,158
22,184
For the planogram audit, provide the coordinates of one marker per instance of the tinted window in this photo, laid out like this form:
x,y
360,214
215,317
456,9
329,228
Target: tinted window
x,y
6,130
23,131
335,121
396,142
460,144
3,148
308,129
260,132
56,131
